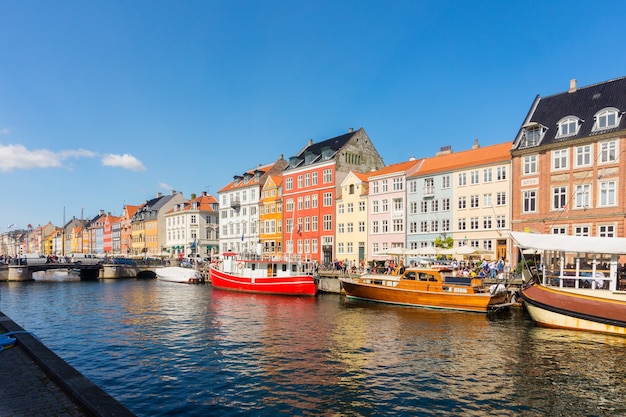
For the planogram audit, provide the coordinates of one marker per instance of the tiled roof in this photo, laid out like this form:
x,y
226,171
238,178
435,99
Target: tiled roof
x,y
583,103
400,167
464,159
253,180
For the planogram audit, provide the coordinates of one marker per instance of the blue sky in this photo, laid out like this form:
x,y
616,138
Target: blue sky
x,y
106,103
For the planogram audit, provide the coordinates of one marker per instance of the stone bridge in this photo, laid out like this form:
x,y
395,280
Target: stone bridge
x,y
106,271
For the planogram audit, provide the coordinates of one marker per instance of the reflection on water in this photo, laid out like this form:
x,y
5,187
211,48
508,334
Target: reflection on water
x,y
174,349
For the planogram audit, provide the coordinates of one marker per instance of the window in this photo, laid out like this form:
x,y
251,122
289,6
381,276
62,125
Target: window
x,y
607,230
608,191
300,179
328,199
327,176
583,193
314,178
487,175
461,224
384,226
424,208
328,222
583,156
532,136
559,198
559,230
374,206
445,225
412,186
500,173
424,226
559,159
529,199
375,187
350,227
385,186
501,222
307,180
606,119
351,189
375,226
445,204
412,227
314,223
398,184
567,127
434,205
361,227
474,201
350,207
608,151
487,201
413,207
462,179
340,228
445,181
462,203
487,245
530,164
582,230
288,183
398,204
429,186
473,223
474,177
384,206
314,201
398,225
487,222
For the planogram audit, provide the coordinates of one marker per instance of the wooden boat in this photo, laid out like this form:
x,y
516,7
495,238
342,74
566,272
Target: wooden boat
x,y
179,274
558,297
427,287
268,276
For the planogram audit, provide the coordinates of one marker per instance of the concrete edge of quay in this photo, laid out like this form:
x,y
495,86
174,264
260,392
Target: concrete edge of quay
x,y
91,398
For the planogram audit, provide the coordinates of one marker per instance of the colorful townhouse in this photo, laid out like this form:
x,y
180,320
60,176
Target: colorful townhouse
x,y
271,216
311,183
126,229
388,206
568,163
352,219
464,196
148,225
191,227
239,209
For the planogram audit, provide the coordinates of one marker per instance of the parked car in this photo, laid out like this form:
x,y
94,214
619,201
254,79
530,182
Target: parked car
x,y
85,259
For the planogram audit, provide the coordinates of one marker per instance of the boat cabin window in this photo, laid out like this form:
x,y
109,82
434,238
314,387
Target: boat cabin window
x,y
253,266
410,275
284,267
426,277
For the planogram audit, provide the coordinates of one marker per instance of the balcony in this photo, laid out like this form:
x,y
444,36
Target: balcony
x,y
428,191
235,204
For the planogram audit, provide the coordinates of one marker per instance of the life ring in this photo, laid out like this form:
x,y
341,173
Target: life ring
x,y
240,265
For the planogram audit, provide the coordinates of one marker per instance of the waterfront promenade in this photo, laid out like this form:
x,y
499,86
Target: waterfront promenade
x,y
38,383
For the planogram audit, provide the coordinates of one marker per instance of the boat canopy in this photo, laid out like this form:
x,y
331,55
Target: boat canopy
x,y
568,243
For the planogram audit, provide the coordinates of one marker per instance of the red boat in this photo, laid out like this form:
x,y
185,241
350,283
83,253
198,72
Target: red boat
x,y
267,276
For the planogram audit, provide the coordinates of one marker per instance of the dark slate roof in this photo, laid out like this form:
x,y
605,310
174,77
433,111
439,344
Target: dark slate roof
x,y
331,146
583,103
335,144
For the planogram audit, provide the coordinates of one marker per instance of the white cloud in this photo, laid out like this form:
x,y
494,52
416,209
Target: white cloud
x,y
125,161
5,131
19,157
165,186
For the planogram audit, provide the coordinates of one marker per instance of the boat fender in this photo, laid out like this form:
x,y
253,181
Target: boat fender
x,y
240,265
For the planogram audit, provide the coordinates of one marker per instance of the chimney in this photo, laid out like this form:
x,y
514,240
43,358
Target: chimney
x,y
310,142
444,150
572,85
203,193
476,145
159,194
193,196
350,130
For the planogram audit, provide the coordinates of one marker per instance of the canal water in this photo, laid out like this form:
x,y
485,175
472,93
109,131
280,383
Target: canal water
x,y
165,349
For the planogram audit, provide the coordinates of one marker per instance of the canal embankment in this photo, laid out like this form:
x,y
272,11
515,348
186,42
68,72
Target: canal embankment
x,y
38,383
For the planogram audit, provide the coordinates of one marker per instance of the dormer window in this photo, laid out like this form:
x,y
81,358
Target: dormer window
x,y
532,135
606,119
568,126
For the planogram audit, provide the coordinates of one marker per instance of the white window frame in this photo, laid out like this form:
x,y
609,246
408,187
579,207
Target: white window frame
x,y
560,159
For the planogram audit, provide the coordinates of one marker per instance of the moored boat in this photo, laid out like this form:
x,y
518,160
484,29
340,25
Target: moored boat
x,y
179,274
578,286
268,276
428,287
